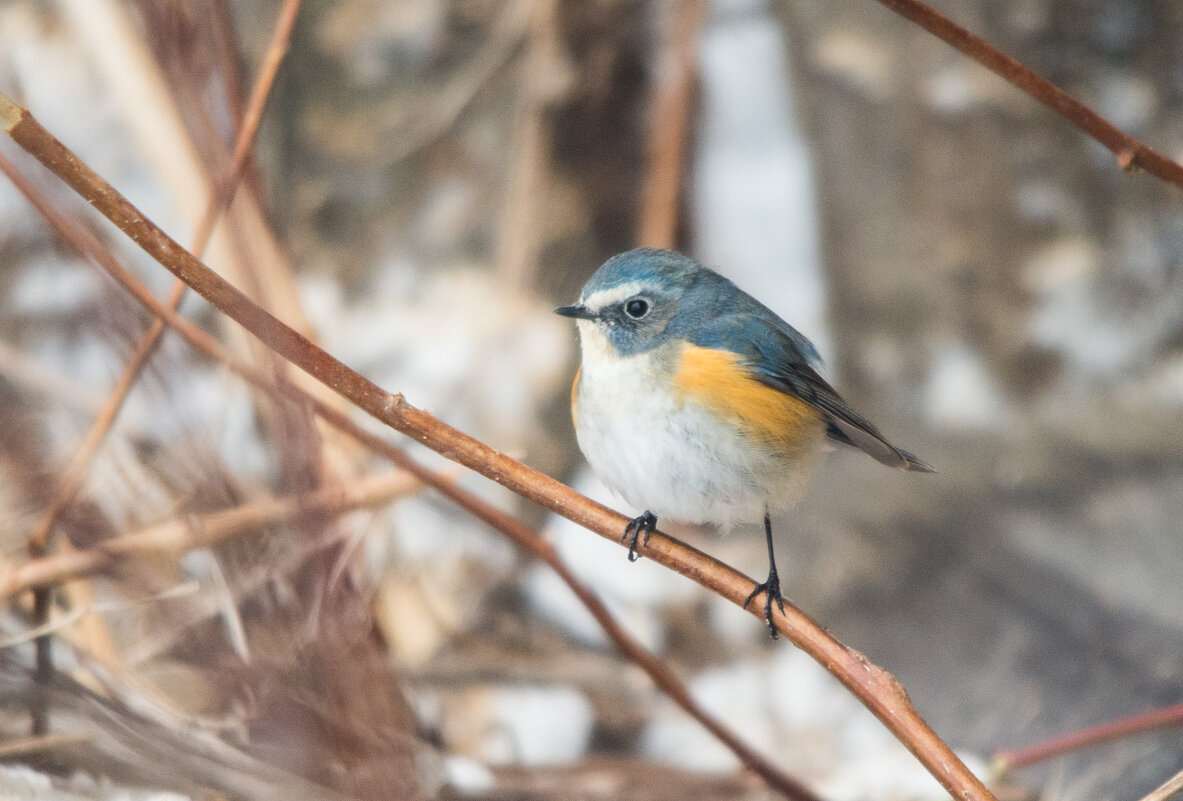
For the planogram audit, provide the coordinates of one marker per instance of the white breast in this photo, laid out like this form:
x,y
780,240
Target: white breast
x,y
676,459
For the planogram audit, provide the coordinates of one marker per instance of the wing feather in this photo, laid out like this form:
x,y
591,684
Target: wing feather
x,y
780,357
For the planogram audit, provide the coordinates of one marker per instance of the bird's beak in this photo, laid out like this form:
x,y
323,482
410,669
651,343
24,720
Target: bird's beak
x,y
578,312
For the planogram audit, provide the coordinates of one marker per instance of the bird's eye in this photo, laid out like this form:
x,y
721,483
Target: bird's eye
x,y
636,308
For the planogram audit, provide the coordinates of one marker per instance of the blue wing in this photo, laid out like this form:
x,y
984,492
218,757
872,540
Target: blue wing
x,y
781,357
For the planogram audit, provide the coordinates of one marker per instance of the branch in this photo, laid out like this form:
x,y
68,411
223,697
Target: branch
x,y
86,242
1131,154
1169,789
1162,718
669,121
181,536
877,689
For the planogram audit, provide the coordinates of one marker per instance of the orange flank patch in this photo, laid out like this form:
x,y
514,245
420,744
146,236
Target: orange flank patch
x,y
574,392
718,380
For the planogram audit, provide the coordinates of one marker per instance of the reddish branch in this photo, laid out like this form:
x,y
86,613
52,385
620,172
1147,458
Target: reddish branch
x,y
1094,735
667,681
1131,154
877,689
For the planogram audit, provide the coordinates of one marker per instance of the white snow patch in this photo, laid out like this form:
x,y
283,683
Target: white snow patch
x,y
961,394
754,208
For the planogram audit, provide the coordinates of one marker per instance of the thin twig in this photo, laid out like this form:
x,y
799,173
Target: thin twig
x,y
88,244
37,744
428,121
22,370
1168,789
180,536
876,688
523,222
78,612
1162,718
1131,153
669,123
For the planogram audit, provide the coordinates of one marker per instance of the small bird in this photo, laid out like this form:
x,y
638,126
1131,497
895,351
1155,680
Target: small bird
x,y
697,403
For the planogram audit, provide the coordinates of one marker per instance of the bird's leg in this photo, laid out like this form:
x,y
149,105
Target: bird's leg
x,y
771,587
637,527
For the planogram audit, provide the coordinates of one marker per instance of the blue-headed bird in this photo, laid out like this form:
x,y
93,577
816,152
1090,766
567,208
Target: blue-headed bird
x,y
697,403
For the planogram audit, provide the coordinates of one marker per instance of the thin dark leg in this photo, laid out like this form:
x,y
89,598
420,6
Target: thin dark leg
x,y
771,587
637,527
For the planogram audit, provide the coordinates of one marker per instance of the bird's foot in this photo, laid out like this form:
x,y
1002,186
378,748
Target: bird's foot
x,y
638,528
771,590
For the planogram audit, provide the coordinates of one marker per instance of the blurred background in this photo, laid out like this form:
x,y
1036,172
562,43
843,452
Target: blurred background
x,y
431,178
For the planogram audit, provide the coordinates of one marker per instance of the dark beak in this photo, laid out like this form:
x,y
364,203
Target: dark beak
x,y
578,312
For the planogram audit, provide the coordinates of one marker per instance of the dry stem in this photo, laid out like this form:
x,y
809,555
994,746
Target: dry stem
x,y
1168,789
1131,153
1162,718
872,685
669,122
179,536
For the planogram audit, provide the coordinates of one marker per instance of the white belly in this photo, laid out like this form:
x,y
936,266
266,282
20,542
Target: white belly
x,y
676,459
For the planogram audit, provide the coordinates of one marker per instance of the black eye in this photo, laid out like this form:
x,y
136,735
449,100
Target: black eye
x,y
636,308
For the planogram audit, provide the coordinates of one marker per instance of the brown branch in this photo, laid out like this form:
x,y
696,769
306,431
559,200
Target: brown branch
x,y
180,536
13,749
1169,789
669,123
1162,718
668,682
1131,153
877,689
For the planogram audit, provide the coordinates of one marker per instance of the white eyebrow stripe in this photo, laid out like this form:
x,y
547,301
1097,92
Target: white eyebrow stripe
x,y
606,297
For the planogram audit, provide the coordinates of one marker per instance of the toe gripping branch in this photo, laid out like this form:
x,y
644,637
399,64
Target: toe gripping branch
x,y
771,587
771,590
638,528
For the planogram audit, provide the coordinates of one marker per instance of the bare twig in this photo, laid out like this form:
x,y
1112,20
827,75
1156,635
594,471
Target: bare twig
x,y
1131,153
1168,789
446,104
179,536
1162,718
523,225
22,370
669,122
877,689
37,744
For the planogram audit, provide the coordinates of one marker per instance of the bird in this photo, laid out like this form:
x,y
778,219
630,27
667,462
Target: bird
x,y
698,404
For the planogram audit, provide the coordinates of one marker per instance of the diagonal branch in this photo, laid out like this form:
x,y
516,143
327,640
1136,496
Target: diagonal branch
x,y
665,679
1131,153
876,688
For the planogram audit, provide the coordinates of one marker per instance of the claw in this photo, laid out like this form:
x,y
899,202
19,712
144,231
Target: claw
x,y
771,590
638,528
